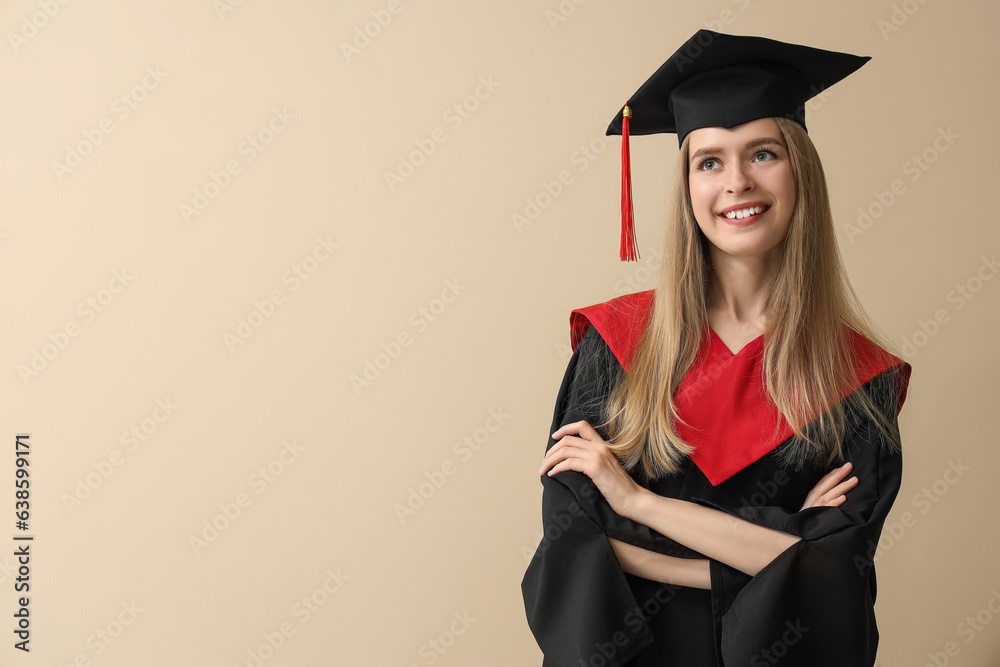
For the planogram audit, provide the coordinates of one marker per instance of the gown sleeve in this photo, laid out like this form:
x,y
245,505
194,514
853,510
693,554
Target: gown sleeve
x,y
814,603
576,596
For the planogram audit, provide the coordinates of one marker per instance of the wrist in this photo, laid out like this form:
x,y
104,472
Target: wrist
x,y
639,507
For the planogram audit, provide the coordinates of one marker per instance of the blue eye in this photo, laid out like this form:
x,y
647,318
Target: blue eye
x,y
768,155
706,165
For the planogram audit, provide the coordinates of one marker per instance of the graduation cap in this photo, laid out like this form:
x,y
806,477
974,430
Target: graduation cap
x,y
717,80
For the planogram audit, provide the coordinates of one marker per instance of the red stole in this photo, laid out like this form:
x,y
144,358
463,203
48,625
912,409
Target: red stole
x,y
729,420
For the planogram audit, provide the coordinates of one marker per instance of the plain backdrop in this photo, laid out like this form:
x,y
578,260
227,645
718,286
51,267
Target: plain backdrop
x,y
285,298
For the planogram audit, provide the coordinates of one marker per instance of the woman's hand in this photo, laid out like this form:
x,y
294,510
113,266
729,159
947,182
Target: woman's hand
x,y
829,491
580,448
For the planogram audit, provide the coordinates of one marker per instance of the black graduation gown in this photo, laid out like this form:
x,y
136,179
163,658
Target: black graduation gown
x,y
811,606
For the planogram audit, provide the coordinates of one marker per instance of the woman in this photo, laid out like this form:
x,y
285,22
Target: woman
x,y
699,503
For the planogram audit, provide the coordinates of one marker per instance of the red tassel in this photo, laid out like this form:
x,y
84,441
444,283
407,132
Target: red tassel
x,y
629,251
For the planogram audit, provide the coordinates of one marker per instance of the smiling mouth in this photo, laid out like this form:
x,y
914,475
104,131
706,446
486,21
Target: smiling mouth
x,y
742,213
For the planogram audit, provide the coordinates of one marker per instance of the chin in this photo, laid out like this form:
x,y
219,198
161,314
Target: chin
x,y
747,250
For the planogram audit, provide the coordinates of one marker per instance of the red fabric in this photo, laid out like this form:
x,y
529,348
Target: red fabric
x,y
726,414
620,322
629,251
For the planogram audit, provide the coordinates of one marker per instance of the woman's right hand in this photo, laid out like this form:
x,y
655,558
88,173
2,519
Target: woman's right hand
x,y
829,491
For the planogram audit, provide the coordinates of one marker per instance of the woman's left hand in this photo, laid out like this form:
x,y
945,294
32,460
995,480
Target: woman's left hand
x,y
579,447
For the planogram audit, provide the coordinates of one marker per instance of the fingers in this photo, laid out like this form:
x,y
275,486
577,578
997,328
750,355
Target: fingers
x,y
842,488
567,464
581,429
578,435
832,479
836,497
836,502
831,490
561,451
837,474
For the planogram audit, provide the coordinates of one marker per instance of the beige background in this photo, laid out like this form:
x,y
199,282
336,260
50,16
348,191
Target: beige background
x,y
482,362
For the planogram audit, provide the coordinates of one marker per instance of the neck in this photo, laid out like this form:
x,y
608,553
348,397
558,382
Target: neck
x,y
739,291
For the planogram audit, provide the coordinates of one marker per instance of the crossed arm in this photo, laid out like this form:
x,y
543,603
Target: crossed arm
x,y
743,545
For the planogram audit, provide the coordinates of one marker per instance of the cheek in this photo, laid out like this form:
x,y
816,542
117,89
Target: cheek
x,y
788,195
701,198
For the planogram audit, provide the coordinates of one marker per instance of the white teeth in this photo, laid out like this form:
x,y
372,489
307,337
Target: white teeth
x,y
744,213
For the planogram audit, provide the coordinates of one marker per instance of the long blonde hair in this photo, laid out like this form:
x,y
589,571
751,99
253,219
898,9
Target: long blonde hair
x,y
806,351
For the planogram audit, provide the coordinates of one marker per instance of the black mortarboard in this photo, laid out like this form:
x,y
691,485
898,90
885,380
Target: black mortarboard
x,y
717,80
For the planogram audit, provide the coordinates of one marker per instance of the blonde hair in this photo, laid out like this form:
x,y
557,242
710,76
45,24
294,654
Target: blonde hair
x,y
807,359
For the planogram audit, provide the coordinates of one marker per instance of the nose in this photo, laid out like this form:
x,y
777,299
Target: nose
x,y
738,179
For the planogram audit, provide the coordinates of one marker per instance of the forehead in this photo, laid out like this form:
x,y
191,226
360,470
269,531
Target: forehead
x,y
733,137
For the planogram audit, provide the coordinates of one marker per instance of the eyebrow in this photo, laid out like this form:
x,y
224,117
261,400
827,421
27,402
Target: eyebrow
x,y
763,141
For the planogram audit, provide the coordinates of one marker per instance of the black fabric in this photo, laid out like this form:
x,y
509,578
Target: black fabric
x,y
812,605
718,80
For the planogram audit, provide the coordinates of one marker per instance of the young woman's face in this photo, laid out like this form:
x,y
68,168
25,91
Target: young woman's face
x,y
742,187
